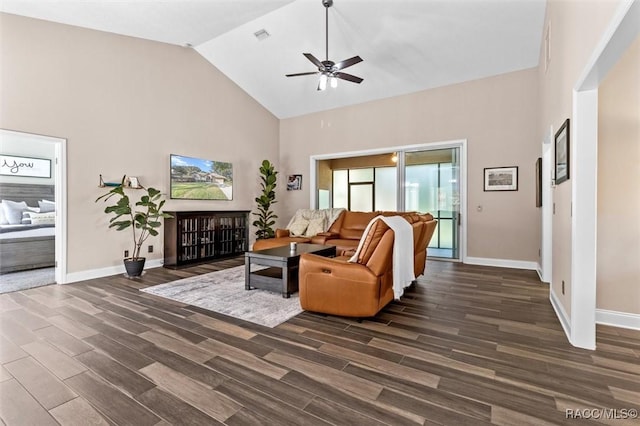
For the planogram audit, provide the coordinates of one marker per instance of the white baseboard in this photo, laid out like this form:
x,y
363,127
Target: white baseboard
x,y
618,319
565,321
105,272
501,263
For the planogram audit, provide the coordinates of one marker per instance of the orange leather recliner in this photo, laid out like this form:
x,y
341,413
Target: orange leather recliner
x,y
337,287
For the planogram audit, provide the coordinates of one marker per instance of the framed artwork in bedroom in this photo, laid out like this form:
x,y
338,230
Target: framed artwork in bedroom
x,y
11,165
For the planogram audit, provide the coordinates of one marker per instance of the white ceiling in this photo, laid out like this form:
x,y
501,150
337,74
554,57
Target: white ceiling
x,y
407,45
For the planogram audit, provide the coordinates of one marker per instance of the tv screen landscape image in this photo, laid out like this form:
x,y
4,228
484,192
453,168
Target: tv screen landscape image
x,y
198,179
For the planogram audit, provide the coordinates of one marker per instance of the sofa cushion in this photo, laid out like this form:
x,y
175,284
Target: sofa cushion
x,y
298,227
315,227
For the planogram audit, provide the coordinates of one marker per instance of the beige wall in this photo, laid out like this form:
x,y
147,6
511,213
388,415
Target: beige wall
x,y
575,29
618,269
497,115
125,104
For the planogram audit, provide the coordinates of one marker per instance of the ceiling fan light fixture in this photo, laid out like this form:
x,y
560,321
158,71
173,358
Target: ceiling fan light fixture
x,y
327,69
322,84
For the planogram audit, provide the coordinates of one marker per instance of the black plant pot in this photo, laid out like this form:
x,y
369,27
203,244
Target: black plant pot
x,y
134,267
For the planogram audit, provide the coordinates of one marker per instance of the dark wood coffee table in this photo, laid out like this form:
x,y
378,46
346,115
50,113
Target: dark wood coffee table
x,y
282,274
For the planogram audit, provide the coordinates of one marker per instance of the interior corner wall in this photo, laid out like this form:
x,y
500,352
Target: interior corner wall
x,y
575,28
497,116
124,105
618,276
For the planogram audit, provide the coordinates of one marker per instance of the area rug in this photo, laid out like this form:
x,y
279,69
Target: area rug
x,y
223,292
23,280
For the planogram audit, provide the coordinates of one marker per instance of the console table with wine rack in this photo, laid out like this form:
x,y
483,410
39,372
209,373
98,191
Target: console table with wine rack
x,y
198,236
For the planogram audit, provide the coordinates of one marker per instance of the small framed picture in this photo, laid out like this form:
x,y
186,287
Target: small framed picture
x,y
501,178
562,153
294,183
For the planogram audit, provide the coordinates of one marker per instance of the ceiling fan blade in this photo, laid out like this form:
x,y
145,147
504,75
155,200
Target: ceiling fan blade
x,y
301,73
348,77
347,63
313,59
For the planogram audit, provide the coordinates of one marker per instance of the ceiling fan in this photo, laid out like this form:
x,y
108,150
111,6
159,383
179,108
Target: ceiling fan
x,y
329,70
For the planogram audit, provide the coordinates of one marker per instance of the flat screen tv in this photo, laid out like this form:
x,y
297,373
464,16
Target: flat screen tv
x,y
198,179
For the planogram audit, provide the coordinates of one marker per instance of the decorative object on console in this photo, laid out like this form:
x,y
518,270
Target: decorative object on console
x,y
266,217
198,179
294,183
501,179
143,223
11,165
330,71
562,157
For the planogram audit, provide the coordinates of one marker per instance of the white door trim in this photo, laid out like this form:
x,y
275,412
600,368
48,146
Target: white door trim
x,y
60,182
622,31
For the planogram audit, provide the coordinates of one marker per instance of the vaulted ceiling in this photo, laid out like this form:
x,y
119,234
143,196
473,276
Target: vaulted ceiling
x,y
406,45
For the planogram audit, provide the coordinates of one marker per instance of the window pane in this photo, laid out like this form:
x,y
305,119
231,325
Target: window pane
x,y
446,233
386,187
323,198
362,198
421,193
340,188
360,175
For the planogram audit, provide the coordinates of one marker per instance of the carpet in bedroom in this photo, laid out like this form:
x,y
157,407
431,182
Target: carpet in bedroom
x,y
23,280
223,292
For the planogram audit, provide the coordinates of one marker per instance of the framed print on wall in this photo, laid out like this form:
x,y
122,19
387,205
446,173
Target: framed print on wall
x,y
294,183
11,165
501,178
562,157
539,182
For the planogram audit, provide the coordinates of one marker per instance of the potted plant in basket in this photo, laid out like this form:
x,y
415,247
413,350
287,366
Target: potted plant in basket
x,y
143,219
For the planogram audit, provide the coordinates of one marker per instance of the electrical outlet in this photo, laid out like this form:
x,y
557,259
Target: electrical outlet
x,y
150,249
562,286
126,253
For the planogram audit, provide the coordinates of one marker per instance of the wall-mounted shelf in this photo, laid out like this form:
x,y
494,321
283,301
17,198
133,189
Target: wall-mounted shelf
x,y
129,182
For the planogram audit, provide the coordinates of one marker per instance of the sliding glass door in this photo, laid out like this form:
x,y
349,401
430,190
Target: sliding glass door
x,y
432,184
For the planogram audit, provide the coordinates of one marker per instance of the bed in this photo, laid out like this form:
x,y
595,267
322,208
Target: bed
x,y
29,247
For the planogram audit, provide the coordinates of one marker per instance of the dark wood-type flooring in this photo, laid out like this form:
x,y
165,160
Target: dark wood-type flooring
x,y
468,345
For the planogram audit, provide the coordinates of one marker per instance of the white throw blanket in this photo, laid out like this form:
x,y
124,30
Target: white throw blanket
x,y
402,252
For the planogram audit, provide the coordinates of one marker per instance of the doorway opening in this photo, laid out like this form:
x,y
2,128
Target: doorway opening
x,y
34,245
427,178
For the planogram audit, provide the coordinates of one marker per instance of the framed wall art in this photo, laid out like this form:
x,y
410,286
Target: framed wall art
x,y
562,157
501,178
539,182
11,165
294,183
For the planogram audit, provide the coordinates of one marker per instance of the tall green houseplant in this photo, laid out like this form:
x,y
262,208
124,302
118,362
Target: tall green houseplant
x,y
266,217
143,219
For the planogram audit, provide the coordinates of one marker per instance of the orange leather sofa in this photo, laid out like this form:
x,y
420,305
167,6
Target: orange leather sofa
x,y
335,286
346,231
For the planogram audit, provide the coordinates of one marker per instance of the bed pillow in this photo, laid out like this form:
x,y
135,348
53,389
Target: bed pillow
x,y
48,218
3,219
13,211
46,206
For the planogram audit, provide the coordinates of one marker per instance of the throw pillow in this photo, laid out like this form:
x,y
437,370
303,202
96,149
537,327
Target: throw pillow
x,y
315,227
42,218
13,211
46,207
298,227
3,219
